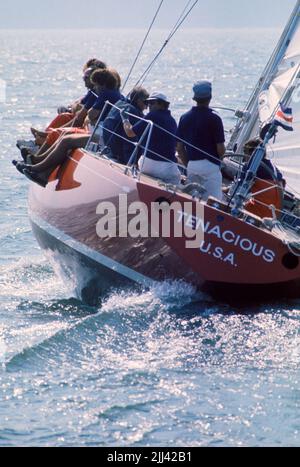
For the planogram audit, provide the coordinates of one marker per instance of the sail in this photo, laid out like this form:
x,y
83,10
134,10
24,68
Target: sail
x,y
280,72
270,99
293,51
285,151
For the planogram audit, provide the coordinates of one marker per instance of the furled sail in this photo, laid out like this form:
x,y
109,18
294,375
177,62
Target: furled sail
x,y
278,77
286,148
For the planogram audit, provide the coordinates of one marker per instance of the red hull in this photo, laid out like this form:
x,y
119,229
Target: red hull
x,y
231,253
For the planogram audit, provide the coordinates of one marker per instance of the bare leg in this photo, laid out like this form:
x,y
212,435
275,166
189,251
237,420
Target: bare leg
x,y
43,149
59,154
42,155
37,158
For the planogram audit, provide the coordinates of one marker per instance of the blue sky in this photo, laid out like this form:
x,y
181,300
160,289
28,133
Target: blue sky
x,y
138,13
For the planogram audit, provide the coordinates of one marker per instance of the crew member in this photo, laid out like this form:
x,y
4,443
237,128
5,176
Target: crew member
x,y
114,135
160,160
203,148
269,182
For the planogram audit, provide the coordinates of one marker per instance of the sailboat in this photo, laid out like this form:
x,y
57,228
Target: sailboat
x,y
86,212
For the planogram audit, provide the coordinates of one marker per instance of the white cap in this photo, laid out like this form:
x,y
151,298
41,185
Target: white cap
x,y
155,96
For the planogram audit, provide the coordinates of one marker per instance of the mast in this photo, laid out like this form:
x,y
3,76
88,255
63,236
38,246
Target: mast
x,y
247,123
245,183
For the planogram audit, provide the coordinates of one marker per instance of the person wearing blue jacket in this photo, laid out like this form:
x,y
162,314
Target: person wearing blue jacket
x,y
160,161
114,136
201,141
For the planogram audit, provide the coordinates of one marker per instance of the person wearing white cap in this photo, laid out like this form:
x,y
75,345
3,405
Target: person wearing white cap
x,y
160,160
203,148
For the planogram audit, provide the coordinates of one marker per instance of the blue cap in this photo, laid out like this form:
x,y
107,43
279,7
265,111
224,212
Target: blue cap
x,y
202,90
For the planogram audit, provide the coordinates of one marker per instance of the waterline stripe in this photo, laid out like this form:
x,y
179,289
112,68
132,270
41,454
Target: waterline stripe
x,y
92,254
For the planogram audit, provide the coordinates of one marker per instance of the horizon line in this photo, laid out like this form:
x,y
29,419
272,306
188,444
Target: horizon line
x,y
53,28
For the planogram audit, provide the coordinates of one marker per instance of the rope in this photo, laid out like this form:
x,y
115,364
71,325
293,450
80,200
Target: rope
x,y
181,19
280,211
292,250
287,238
177,25
142,45
253,195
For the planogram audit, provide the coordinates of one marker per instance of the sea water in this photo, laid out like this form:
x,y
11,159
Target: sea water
x,y
165,367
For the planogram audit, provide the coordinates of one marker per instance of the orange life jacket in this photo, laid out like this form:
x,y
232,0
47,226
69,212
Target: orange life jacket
x,y
60,120
273,196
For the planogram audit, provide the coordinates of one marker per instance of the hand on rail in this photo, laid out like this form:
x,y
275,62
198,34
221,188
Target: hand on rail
x,y
123,115
128,128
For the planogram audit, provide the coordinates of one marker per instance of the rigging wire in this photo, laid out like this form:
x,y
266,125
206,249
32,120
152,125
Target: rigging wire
x,y
185,13
142,45
180,17
136,59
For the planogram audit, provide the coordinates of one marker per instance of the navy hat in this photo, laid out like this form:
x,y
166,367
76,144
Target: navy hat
x,y
202,90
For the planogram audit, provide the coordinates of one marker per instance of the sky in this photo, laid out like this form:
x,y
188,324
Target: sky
x,y
138,13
